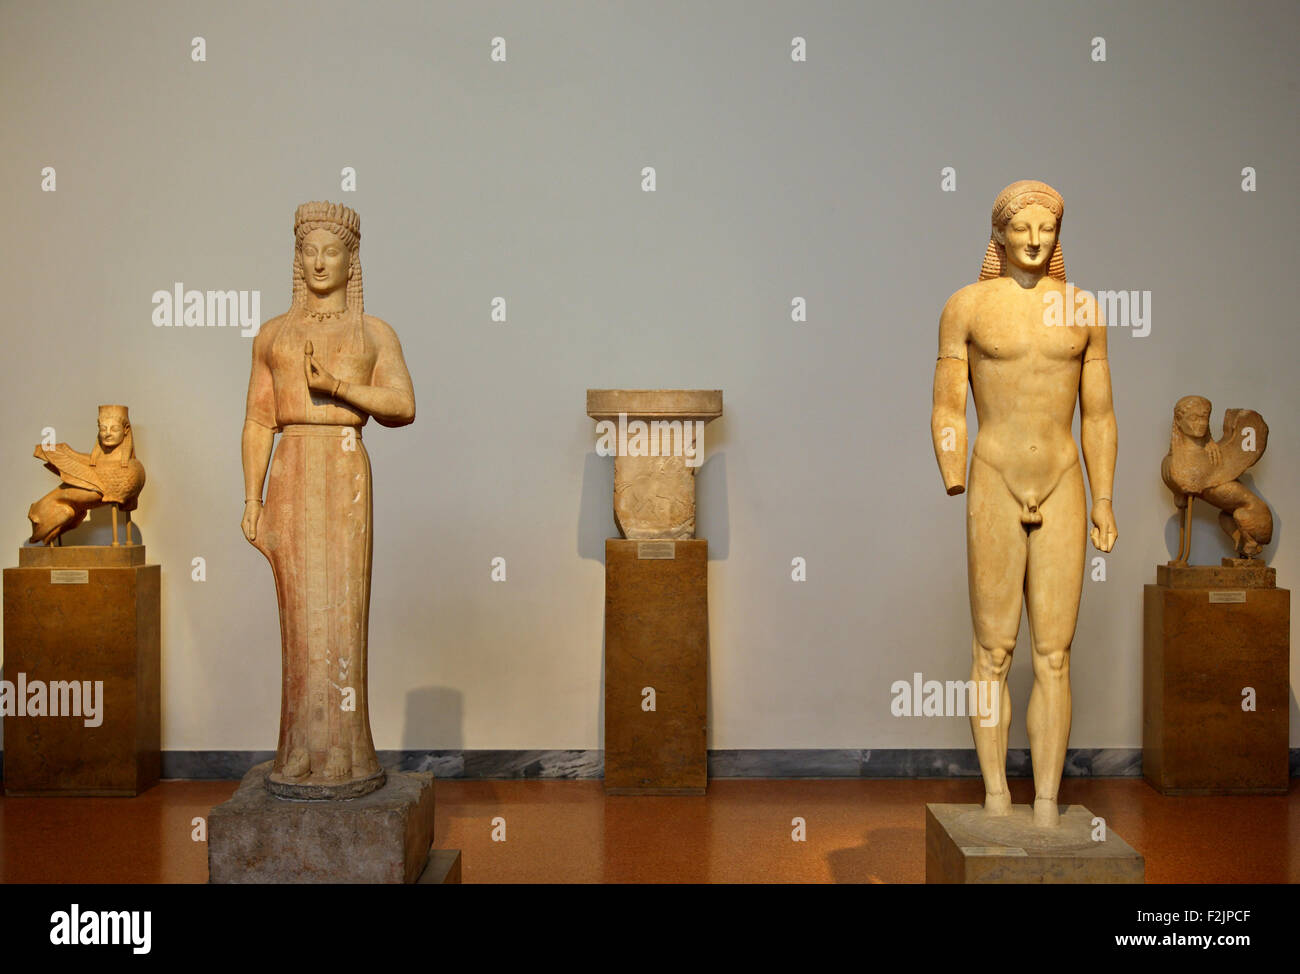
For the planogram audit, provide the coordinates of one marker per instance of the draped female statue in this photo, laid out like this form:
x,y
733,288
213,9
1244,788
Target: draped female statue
x,y
319,372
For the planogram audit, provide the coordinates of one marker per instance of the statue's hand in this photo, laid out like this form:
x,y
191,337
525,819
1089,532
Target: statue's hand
x,y
318,378
1214,453
1104,531
252,514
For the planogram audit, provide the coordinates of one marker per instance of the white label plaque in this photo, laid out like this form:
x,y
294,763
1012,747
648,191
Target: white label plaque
x,y
69,576
656,549
1228,596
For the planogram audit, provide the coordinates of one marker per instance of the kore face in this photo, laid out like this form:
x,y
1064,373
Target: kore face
x,y
325,260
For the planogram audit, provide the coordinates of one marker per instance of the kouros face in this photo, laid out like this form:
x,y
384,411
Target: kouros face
x,y
1030,237
324,258
111,431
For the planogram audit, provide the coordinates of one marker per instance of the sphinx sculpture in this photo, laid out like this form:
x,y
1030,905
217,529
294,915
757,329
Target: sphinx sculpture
x,y
1197,466
1026,522
110,474
319,372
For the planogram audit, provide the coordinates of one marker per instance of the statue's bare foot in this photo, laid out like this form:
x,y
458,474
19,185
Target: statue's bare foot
x,y
297,765
999,804
338,765
363,765
1046,815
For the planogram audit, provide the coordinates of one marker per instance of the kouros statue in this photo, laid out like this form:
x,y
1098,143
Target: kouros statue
x,y
109,474
1197,466
1026,537
319,372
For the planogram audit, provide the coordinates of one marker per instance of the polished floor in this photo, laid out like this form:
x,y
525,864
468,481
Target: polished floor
x,y
570,832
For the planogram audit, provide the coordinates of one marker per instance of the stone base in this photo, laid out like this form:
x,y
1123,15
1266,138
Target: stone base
x,y
81,556
963,845
383,837
443,868
1231,574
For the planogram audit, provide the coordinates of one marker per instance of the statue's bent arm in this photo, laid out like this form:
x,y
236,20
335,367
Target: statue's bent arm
x,y
390,396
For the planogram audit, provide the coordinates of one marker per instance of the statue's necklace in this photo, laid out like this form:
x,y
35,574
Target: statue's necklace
x,y
323,315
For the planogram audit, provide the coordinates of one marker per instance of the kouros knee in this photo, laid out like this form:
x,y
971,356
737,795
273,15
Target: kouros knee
x,y
994,660
1053,660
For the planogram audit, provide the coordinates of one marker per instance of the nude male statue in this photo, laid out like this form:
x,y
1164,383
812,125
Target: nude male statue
x,y
1025,523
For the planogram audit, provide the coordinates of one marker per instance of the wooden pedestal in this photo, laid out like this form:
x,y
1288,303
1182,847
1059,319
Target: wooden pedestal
x,y
84,614
656,636
1209,633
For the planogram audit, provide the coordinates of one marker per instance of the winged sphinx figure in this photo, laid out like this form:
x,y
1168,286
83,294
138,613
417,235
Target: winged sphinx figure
x,y
109,474
1199,466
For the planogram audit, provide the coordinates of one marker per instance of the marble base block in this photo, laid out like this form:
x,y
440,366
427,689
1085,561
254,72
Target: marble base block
x,y
656,636
1232,573
963,845
1215,637
382,837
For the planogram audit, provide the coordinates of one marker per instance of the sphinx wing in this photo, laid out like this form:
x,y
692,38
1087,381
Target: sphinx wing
x,y
72,467
1241,428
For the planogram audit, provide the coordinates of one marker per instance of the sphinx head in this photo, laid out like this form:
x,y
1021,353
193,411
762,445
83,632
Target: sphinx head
x,y
1192,416
114,426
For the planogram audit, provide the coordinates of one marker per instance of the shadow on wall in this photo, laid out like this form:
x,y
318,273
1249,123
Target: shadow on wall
x,y
435,716
1209,541
712,518
596,506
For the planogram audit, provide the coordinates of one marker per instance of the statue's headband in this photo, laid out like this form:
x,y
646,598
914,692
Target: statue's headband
x,y
340,220
1024,193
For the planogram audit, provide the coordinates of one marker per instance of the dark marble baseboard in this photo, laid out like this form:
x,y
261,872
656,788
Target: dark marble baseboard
x,y
911,763
1105,762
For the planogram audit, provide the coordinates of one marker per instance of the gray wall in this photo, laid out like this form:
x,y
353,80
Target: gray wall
x,y
522,179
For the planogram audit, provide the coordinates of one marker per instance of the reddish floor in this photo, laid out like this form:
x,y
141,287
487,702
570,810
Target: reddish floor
x,y
569,832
